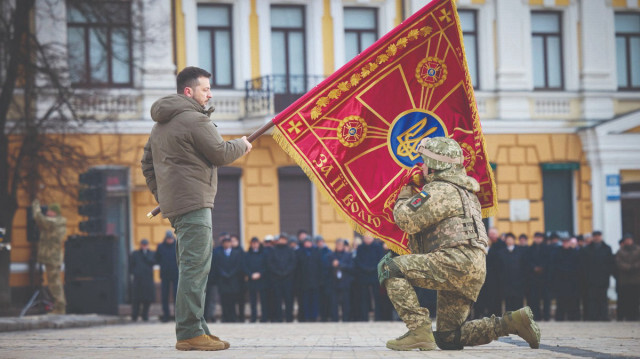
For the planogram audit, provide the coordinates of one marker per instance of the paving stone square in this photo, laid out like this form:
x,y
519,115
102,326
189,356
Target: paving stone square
x,y
312,340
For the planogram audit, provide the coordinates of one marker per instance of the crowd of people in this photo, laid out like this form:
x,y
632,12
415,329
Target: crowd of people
x,y
572,271
276,273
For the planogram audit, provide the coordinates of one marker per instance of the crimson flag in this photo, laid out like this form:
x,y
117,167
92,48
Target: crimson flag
x,y
355,134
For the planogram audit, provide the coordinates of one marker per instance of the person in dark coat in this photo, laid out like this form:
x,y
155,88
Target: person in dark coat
x,y
536,265
310,277
166,258
565,267
512,274
628,280
366,267
144,292
240,300
597,266
212,284
489,300
341,265
228,267
255,268
281,265
267,246
325,293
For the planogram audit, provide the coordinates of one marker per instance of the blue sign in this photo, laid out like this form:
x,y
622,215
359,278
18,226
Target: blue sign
x,y
613,187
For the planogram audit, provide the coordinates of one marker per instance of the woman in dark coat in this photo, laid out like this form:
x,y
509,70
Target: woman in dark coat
x,y
143,291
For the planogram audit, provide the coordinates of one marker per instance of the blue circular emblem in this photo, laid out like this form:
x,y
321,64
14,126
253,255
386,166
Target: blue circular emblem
x,y
406,132
352,131
431,72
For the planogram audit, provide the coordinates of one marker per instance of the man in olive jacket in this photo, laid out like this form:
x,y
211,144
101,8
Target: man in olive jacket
x,y
180,163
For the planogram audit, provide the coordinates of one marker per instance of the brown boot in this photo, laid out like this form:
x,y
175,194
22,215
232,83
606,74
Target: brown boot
x,y
226,343
202,342
420,338
520,322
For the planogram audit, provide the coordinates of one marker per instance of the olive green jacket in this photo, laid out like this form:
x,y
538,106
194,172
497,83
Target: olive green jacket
x,y
182,154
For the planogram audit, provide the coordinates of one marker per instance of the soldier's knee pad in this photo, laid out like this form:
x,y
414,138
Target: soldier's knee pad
x,y
387,268
448,340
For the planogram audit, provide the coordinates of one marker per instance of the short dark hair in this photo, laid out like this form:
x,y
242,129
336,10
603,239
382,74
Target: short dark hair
x,y
596,233
510,235
189,76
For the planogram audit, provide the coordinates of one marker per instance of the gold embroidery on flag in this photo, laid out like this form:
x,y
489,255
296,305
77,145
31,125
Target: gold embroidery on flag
x,y
431,72
351,131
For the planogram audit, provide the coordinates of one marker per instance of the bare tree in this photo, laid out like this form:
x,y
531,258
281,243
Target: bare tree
x,y
39,107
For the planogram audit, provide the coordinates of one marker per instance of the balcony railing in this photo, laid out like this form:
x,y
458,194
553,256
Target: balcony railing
x,y
271,94
100,106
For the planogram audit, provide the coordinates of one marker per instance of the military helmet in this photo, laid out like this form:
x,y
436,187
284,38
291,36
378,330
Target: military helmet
x,y
440,153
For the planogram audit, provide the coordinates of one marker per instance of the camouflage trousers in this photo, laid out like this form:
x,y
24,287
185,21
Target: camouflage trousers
x,y
457,274
54,283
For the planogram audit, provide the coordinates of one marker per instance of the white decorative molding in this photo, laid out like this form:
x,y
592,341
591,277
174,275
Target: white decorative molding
x,y
546,107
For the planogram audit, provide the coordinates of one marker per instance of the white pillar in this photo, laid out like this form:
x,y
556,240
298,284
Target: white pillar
x,y
513,22
598,46
157,68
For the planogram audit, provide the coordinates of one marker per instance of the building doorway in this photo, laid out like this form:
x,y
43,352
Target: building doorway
x,y
630,207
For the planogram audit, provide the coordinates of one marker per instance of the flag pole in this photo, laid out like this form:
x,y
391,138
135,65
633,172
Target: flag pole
x,y
252,137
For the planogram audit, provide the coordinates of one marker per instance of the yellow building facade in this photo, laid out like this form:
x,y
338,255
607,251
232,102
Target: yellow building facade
x,y
527,129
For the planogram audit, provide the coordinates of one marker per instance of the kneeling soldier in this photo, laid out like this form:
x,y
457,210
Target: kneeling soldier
x,y
448,244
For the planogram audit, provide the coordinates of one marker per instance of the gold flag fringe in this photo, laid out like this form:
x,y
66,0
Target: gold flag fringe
x,y
282,141
493,210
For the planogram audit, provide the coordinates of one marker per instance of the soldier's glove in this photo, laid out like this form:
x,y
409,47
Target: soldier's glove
x,y
406,192
387,268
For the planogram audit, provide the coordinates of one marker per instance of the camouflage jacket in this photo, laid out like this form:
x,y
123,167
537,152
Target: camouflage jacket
x,y
445,214
52,231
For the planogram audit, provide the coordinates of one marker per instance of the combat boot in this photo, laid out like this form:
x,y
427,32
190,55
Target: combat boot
x,y
521,323
201,342
420,338
214,338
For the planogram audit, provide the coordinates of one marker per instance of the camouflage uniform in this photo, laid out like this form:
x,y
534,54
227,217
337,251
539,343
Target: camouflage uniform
x,y
448,244
52,231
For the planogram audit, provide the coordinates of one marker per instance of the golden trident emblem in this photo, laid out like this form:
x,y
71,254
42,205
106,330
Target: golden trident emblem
x,y
409,139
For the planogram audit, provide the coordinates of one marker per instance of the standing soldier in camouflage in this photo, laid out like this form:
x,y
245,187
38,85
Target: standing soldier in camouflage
x,y
52,230
448,243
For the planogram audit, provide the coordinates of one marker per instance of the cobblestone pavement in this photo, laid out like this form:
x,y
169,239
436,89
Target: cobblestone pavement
x,y
312,340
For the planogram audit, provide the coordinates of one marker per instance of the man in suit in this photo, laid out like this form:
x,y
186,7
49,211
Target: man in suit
x,y
228,268
144,291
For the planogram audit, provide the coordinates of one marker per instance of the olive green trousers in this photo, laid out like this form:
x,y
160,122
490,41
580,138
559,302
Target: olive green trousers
x,y
193,254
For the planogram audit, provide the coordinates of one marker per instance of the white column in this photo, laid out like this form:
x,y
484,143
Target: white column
x,y
598,46
51,31
590,146
157,68
242,43
612,224
190,12
486,56
513,20
263,8
338,33
570,53
314,44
